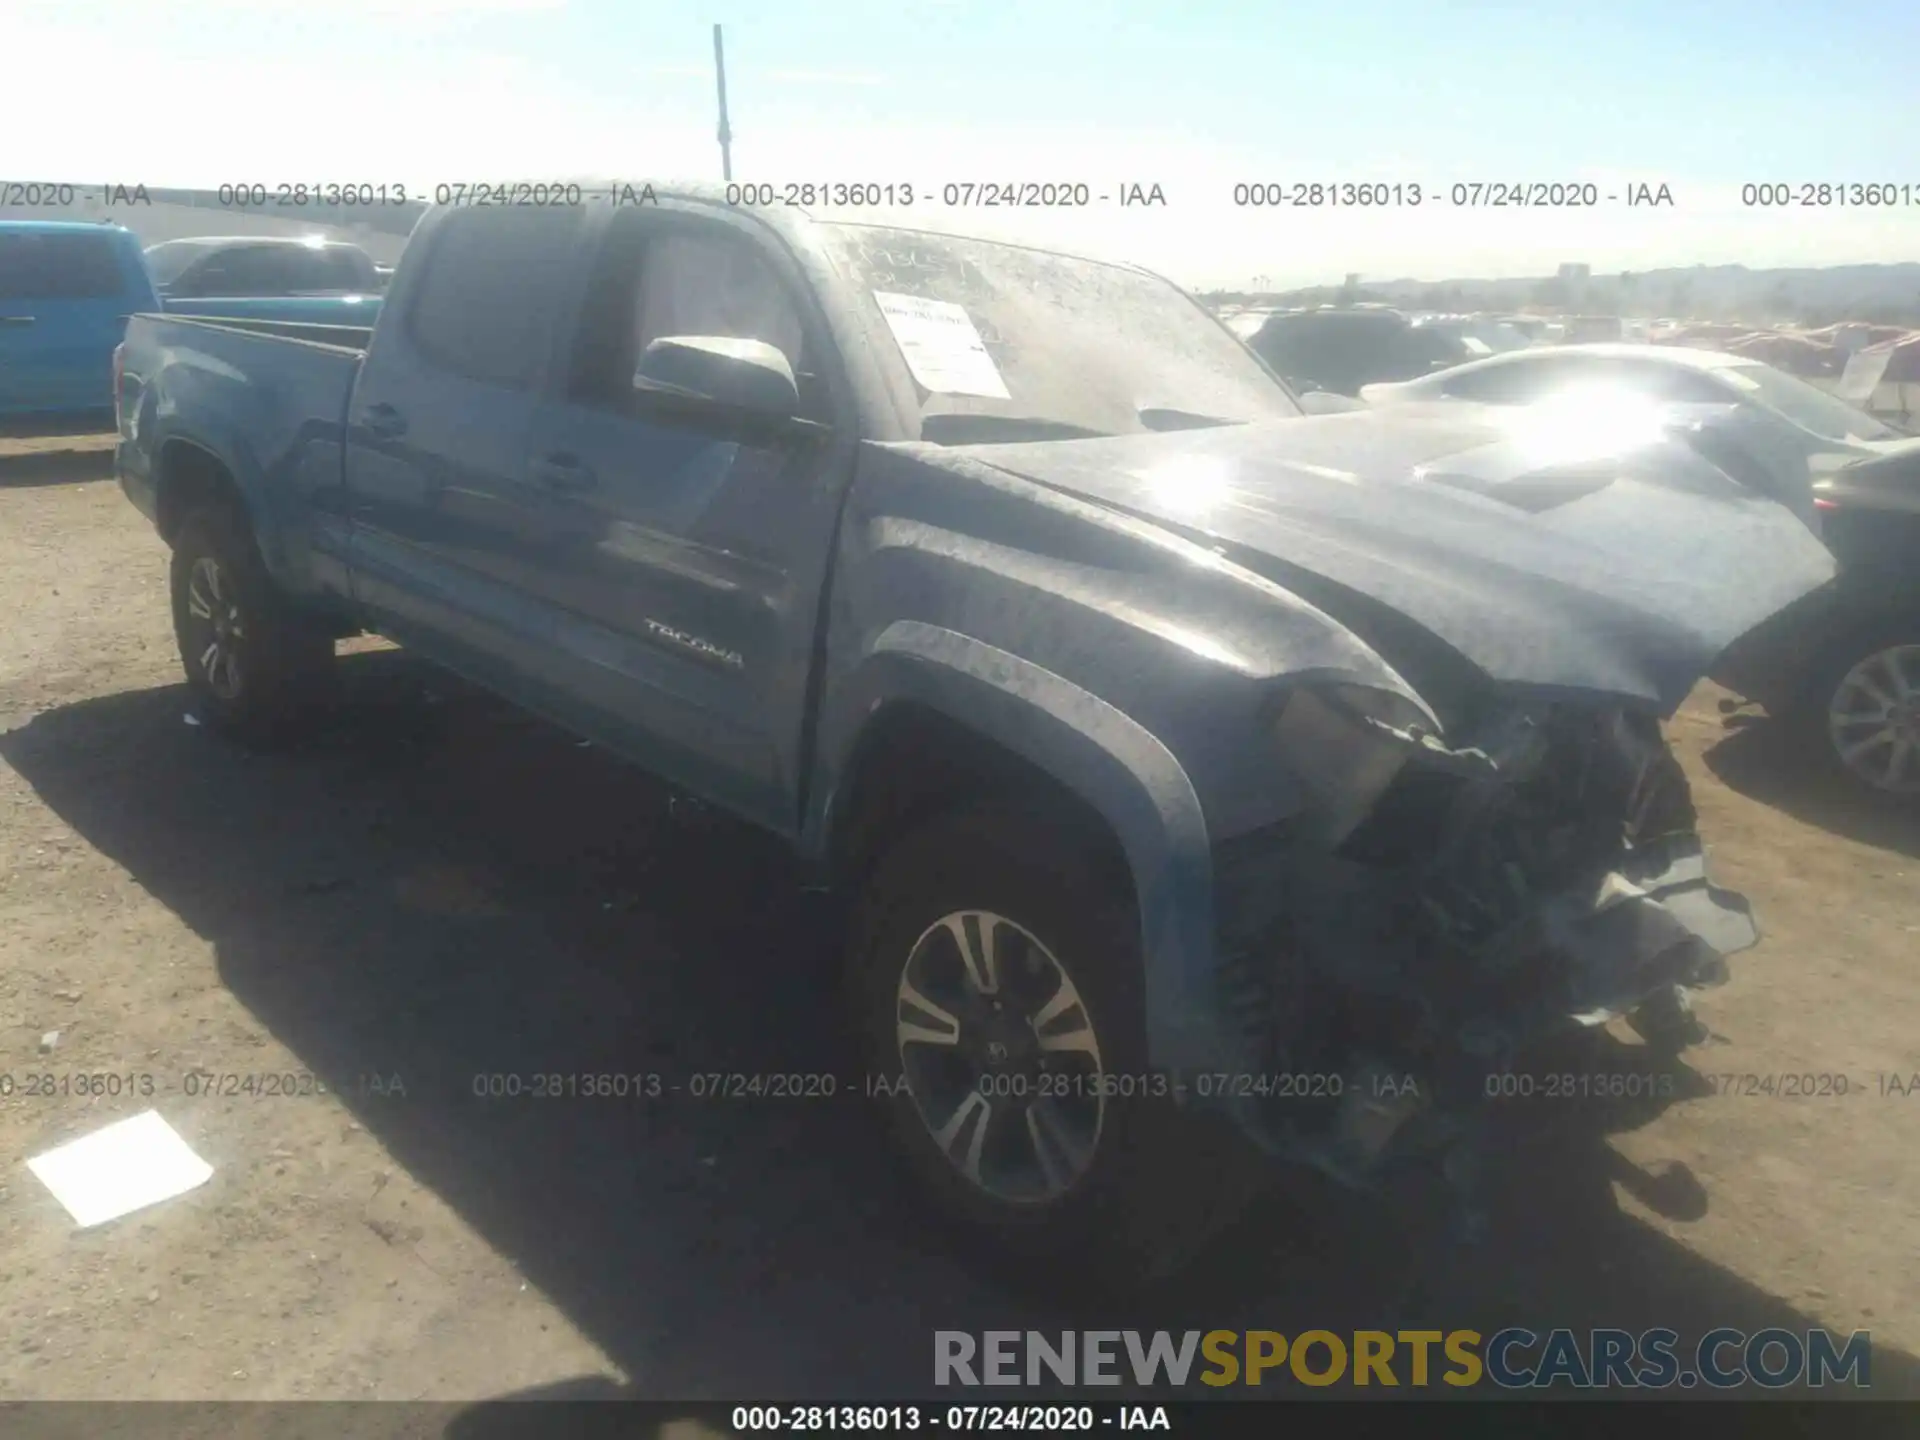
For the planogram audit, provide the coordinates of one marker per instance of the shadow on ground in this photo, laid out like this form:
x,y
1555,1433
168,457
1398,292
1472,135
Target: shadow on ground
x,y
83,424
440,887
1762,760
54,467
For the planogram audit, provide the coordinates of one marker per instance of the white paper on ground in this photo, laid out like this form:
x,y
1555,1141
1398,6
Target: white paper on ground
x,y
125,1167
941,346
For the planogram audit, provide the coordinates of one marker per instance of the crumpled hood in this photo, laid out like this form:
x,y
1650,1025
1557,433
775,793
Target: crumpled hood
x,y
1542,559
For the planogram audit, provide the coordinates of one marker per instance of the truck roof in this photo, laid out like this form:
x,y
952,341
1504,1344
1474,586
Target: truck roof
x,y
309,242
792,218
61,227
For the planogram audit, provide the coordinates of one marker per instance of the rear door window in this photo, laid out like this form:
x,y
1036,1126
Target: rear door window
x,y
1424,348
54,265
489,292
250,270
1521,383
337,270
1336,352
1674,383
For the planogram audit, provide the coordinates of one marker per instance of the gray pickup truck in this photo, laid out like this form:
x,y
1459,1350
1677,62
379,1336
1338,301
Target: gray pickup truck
x,y
1209,781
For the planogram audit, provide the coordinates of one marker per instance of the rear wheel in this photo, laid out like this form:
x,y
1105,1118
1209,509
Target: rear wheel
x,y
1862,711
997,979
253,664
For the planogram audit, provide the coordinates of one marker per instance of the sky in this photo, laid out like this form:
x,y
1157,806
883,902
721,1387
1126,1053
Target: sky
x,y
1698,95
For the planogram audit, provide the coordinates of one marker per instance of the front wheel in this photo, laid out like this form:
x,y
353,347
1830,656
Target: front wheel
x,y
996,972
254,666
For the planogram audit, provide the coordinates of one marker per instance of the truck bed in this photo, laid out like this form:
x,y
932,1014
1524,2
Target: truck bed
x,y
352,312
334,337
267,399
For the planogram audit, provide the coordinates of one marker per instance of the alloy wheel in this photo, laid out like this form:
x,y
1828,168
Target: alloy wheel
x,y
1000,1056
1873,720
216,627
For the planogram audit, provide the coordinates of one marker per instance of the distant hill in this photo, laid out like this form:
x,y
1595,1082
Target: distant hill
x,y
1878,294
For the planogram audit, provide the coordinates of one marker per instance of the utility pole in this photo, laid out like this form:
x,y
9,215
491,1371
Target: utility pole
x,y
726,135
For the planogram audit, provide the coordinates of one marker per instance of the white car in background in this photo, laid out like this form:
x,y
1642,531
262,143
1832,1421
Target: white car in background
x,y
1798,423
1841,668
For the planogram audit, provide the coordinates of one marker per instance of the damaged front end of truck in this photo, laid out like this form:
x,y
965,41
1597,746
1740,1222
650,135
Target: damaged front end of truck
x,y
1473,842
1445,907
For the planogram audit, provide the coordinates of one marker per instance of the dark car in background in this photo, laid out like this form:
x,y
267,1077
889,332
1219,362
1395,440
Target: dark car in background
x,y
1339,350
1842,667
217,267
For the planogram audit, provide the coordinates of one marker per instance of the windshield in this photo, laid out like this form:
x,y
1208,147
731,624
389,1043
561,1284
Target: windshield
x,y
1049,343
167,260
1810,408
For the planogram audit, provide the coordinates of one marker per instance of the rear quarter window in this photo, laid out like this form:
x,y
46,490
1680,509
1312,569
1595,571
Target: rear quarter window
x,y
54,266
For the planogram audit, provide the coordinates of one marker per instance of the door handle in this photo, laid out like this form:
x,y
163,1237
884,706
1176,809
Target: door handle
x,y
384,421
563,472
16,319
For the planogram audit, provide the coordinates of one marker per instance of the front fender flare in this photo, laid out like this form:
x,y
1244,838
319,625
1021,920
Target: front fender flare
x,y
1102,755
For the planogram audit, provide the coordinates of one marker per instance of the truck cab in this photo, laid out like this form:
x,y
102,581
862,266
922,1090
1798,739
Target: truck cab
x,y
66,290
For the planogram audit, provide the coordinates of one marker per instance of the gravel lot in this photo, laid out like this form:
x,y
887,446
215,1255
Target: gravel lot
x,y
438,888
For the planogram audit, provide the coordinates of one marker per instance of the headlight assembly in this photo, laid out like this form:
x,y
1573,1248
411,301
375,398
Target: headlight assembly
x,y
1345,744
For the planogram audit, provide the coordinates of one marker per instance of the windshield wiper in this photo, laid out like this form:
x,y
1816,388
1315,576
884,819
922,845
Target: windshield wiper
x,y
971,429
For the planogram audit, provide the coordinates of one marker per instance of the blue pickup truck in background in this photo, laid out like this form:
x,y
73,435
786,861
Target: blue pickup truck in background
x,y
66,291
221,267
1190,764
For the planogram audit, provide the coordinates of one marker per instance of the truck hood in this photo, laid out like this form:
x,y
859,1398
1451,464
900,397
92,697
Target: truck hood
x,y
1622,565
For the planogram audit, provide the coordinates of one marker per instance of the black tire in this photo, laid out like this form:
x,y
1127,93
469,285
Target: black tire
x,y
1809,717
1161,1180
272,663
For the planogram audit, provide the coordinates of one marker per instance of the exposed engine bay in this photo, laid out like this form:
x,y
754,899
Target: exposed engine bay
x,y
1446,908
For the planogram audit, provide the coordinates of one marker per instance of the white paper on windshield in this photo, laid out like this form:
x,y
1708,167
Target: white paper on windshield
x,y
123,1168
941,346
1475,345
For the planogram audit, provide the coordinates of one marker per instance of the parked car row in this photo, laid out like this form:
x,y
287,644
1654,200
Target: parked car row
x,y
67,289
1167,742
1337,350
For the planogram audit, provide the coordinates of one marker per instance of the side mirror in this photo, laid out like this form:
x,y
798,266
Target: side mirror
x,y
1325,402
748,375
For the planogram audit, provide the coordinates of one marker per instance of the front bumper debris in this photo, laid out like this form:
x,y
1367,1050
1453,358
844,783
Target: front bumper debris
x,y
1493,908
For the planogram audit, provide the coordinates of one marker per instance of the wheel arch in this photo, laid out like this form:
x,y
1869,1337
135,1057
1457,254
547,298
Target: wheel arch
x,y
922,683
189,475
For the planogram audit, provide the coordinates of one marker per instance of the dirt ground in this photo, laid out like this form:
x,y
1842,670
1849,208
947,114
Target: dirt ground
x,y
437,888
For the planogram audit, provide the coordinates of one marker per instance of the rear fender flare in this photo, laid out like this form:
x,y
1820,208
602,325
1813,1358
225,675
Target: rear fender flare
x,y
232,455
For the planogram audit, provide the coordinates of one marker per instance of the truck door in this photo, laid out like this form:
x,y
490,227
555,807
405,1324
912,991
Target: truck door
x,y
682,559
65,295
437,440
